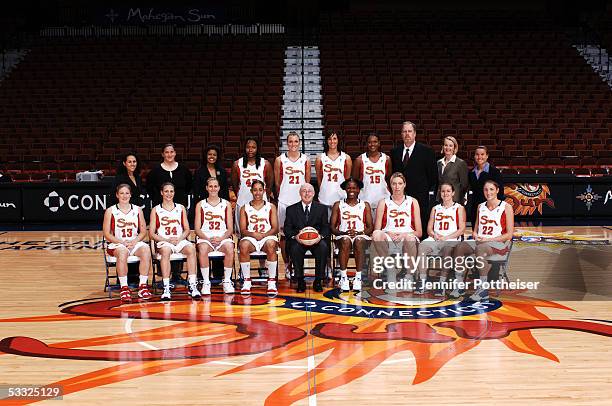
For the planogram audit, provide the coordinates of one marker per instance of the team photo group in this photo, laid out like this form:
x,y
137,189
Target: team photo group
x,y
372,204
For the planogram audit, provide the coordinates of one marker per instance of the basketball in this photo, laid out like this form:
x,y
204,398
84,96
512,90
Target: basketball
x,y
308,236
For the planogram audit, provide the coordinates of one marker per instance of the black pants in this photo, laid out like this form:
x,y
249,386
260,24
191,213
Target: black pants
x,y
319,251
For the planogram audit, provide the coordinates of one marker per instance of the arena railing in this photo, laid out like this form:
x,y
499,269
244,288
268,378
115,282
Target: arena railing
x,y
162,30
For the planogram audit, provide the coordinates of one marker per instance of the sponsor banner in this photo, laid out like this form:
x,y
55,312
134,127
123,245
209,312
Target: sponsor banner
x,y
62,202
10,205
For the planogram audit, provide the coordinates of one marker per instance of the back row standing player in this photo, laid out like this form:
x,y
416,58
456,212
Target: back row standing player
x,y
373,168
333,167
251,166
291,171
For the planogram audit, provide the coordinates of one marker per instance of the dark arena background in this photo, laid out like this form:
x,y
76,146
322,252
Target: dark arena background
x,y
524,90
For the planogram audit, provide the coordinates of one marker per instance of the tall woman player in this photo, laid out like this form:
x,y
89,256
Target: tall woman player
x,y
169,228
291,171
125,229
373,168
333,167
214,227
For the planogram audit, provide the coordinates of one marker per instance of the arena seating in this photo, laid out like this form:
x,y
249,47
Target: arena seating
x,y
492,80
73,105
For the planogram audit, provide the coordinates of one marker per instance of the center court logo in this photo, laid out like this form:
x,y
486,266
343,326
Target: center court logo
x,y
53,201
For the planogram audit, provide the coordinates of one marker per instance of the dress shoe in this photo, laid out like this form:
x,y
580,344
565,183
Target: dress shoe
x,y
317,286
301,286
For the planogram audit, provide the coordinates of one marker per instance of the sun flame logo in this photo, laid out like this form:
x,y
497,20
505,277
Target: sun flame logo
x,y
276,332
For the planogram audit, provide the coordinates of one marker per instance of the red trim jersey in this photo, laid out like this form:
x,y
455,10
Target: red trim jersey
x,y
125,226
333,176
214,219
170,222
292,177
351,217
491,223
246,176
259,221
374,179
446,219
398,218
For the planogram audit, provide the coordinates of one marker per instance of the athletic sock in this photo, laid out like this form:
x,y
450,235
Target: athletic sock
x,y
272,265
245,268
358,275
123,281
192,279
227,273
166,282
343,273
205,271
143,279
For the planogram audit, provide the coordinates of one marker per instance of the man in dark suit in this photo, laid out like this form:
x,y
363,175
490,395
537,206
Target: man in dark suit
x,y
418,164
307,213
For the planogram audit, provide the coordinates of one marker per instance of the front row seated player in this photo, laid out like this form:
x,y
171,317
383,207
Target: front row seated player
x,y
259,229
169,228
125,229
351,224
398,224
214,227
446,227
493,235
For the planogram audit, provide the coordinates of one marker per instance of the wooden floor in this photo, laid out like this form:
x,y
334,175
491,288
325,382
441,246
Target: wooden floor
x,y
554,346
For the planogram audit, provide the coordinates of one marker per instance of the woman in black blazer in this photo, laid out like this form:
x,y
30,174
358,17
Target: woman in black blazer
x,y
128,172
482,172
212,168
169,170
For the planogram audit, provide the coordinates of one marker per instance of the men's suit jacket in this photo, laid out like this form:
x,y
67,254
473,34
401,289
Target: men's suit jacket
x,y
421,172
295,219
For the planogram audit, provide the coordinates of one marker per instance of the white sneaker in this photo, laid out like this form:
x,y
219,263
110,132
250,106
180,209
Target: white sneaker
x,y
272,291
480,295
357,284
246,288
194,292
457,293
228,287
344,284
166,295
206,288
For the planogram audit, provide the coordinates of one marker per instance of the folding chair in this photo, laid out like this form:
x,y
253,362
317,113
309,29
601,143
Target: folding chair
x,y
176,264
110,262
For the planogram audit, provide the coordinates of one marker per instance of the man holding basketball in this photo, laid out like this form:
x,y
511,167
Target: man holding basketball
x,y
304,220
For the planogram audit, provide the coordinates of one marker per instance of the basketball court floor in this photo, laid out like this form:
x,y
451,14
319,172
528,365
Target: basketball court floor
x,y
61,334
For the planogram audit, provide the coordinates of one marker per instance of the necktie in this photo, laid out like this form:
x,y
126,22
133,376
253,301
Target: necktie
x,y
307,213
406,157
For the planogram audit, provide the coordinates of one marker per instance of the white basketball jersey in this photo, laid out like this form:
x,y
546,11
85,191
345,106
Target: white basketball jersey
x,y
125,225
169,222
248,175
398,218
446,219
293,175
491,223
214,219
259,221
351,217
374,181
333,176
